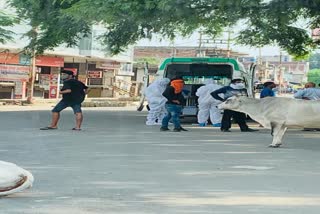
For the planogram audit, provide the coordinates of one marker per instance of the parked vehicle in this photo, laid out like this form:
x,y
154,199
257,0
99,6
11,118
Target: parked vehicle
x,y
195,71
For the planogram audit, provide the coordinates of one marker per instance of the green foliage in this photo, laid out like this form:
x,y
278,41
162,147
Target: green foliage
x,y
275,22
127,21
6,21
267,22
314,76
150,60
50,27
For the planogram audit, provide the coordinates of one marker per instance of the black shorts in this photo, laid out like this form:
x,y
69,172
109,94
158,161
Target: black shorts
x,y
62,105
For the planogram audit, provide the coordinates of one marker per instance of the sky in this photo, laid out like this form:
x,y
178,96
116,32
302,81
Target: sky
x,y
193,40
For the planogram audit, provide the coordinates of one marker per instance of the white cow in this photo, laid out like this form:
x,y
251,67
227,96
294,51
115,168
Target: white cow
x,y
277,113
13,178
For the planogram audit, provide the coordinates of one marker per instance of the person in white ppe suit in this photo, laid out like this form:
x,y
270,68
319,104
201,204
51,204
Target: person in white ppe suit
x,y
156,101
208,105
13,179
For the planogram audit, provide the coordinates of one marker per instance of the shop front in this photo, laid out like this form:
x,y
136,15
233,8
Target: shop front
x,y
95,82
109,70
48,76
13,80
6,90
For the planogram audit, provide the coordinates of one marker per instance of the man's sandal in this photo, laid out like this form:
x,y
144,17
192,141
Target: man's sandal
x,y
48,128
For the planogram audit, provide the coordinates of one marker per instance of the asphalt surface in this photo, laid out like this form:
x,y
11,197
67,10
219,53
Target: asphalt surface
x,y
119,165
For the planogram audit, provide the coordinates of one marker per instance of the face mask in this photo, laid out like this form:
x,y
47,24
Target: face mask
x,y
64,76
242,85
238,86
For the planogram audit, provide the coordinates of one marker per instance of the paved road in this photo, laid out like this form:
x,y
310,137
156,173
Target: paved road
x,y
118,165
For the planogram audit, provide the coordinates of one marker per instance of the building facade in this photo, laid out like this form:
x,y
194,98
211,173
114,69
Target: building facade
x,y
89,61
280,68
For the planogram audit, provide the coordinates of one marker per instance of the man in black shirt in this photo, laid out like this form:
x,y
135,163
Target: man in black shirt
x,y
175,101
73,94
236,87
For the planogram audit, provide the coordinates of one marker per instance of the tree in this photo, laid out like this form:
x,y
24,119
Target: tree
x,y
50,27
276,22
6,21
127,21
314,76
267,22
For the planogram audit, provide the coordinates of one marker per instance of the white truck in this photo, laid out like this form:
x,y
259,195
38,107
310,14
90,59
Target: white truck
x,y
194,71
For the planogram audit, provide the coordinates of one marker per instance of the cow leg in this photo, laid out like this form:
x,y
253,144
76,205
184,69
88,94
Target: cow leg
x,y
280,135
272,128
278,131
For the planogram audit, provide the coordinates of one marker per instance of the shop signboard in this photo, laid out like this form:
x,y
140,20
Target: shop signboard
x,y
14,59
109,65
95,81
14,73
9,58
53,86
94,74
53,91
49,61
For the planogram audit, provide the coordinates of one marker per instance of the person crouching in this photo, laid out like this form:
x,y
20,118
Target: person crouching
x,y
173,93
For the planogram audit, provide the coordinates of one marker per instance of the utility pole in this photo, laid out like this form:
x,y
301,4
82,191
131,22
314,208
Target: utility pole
x,y
213,41
173,51
260,58
200,43
280,73
262,71
228,43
